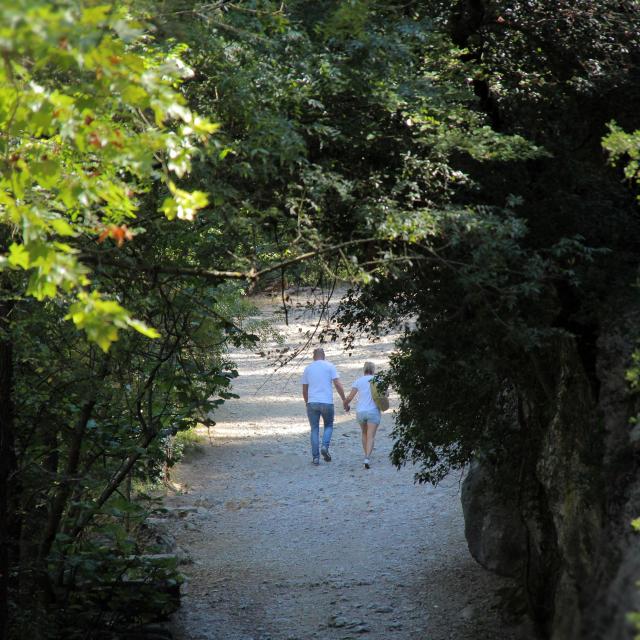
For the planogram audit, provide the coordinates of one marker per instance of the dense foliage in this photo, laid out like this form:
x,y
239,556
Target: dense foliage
x,y
94,137
546,248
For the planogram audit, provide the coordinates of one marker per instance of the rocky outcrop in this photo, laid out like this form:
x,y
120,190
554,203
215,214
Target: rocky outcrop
x,y
615,593
566,533
493,525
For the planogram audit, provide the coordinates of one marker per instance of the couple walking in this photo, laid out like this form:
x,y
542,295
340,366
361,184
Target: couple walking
x,y
317,391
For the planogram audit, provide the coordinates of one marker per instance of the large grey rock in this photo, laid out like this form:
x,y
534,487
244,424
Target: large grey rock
x,y
567,536
613,592
493,525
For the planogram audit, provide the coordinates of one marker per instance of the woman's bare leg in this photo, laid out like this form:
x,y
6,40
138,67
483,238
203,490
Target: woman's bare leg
x,y
370,431
363,428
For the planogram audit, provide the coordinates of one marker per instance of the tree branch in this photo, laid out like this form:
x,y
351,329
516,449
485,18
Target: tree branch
x,y
215,275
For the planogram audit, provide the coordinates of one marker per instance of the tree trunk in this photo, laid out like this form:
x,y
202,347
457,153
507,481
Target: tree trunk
x,y
8,524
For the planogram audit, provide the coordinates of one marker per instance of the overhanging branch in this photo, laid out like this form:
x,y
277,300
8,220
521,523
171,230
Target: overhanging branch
x,y
216,275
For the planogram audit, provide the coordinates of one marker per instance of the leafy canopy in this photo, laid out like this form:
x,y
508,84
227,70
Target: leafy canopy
x,y
90,118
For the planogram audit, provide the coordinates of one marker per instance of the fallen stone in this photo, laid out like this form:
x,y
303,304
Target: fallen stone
x,y
180,556
183,556
354,624
468,612
336,622
384,609
179,512
495,534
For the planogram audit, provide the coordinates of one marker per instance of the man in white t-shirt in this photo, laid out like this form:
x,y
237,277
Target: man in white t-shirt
x,y
318,396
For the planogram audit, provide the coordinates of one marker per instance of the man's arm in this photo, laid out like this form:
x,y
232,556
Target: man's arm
x,y
351,396
339,389
305,392
348,399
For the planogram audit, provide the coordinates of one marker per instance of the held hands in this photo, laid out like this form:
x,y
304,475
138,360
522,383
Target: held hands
x,y
346,406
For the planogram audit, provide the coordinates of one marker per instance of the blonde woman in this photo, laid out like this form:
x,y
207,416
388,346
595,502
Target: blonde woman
x,y
367,413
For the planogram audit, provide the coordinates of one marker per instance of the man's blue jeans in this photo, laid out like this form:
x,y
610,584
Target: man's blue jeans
x,y
314,411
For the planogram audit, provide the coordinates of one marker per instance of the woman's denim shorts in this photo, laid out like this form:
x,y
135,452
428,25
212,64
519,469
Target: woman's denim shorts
x,y
372,416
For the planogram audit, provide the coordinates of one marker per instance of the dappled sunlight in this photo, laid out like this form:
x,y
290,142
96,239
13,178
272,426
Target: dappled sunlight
x,y
270,400
267,428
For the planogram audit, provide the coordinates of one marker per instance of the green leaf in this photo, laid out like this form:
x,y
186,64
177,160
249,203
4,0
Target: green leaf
x,y
62,227
93,16
142,328
18,256
183,204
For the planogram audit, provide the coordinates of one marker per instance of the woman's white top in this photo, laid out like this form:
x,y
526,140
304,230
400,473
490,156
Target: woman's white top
x,y
365,401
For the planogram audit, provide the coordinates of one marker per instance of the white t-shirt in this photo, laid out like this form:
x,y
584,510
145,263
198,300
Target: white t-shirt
x,y
319,375
365,401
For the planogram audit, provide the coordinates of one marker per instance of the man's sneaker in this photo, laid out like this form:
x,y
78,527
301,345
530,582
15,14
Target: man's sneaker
x,y
316,461
325,454
366,463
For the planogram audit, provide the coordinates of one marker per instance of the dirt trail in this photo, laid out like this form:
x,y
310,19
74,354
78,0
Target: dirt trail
x,y
283,550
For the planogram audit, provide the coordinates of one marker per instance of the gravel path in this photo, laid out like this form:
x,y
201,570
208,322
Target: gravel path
x,y
284,550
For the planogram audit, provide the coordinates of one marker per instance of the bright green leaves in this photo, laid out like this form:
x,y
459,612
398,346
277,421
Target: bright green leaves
x,y
52,265
19,256
88,123
633,374
183,204
95,16
483,143
621,144
101,319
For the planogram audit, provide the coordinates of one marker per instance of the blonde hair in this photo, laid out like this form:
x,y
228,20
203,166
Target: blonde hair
x,y
369,368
